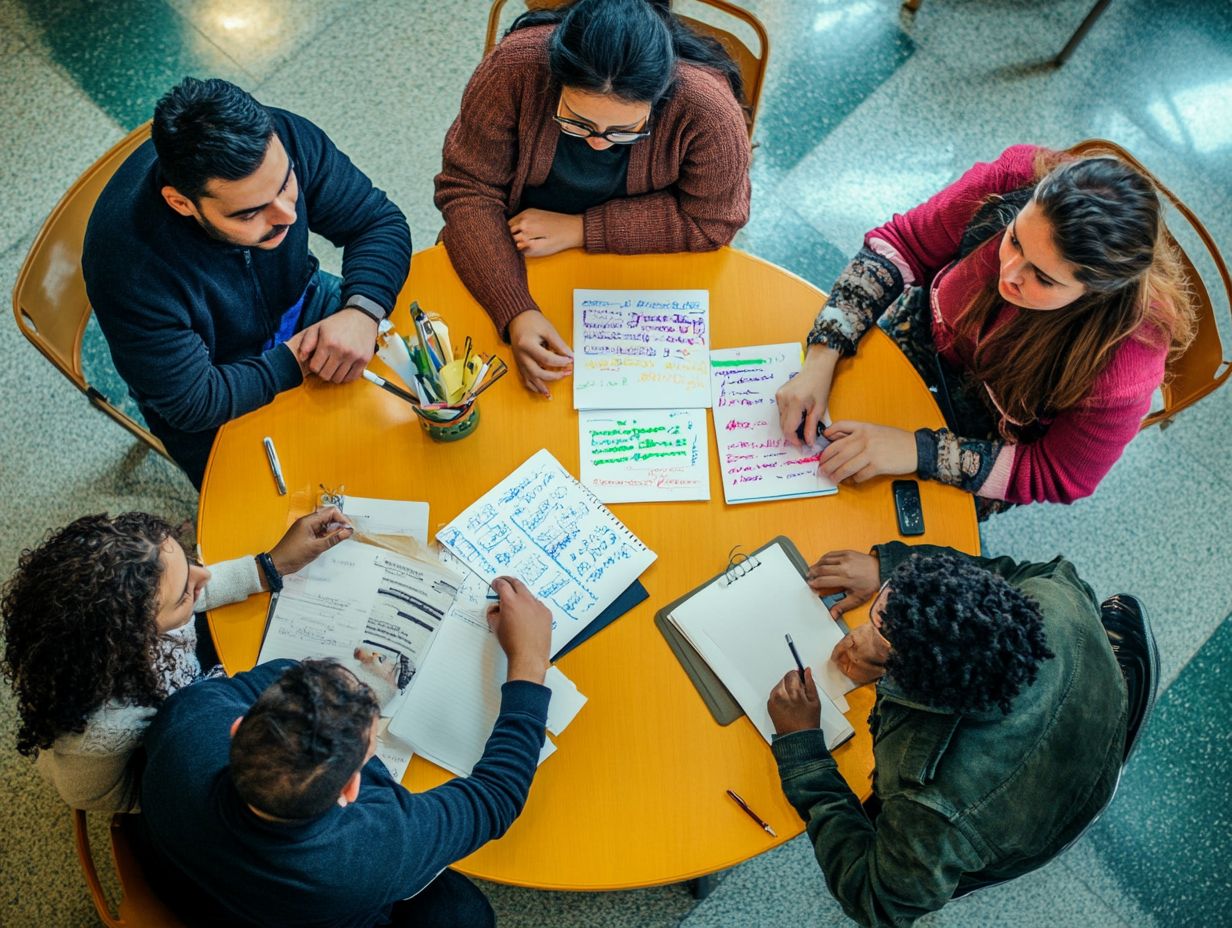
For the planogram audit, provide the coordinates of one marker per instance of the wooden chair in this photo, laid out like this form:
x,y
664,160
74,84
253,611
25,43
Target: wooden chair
x,y
1204,365
139,907
49,300
752,64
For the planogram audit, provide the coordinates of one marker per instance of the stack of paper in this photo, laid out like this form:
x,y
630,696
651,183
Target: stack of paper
x,y
455,701
543,527
756,462
642,383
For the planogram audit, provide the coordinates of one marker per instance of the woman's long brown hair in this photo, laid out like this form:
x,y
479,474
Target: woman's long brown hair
x,y
1107,221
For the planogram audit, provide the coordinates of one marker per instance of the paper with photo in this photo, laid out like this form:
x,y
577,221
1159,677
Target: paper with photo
x,y
366,606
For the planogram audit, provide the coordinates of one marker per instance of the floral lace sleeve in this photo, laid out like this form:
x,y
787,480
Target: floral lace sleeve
x,y
868,284
961,462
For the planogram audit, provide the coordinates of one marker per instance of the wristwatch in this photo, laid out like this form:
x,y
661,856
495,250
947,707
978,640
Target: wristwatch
x,y
272,577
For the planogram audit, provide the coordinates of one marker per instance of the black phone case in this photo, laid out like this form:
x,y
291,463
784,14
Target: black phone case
x,y
907,507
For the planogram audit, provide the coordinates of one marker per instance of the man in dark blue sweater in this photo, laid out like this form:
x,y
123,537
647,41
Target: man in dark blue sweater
x,y
265,804
196,263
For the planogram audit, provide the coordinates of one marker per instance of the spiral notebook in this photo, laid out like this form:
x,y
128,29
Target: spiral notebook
x,y
729,636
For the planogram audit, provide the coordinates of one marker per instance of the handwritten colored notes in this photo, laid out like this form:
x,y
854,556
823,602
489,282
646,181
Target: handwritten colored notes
x,y
645,455
641,349
543,527
754,459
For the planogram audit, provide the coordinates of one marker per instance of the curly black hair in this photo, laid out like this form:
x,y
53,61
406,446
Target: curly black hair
x,y
79,624
961,638
302,740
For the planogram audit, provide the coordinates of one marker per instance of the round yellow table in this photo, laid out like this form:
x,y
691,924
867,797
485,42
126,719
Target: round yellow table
x,y
635,794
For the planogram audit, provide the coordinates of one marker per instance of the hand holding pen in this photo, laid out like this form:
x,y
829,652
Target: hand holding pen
x,y
794,704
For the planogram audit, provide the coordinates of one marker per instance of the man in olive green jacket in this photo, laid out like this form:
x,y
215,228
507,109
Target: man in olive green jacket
x,y
998,728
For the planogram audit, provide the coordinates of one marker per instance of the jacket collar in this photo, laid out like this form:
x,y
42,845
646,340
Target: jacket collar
x,y
928,734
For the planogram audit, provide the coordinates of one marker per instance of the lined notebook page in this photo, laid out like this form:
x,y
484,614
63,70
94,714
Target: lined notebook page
x,y
738,627
543,527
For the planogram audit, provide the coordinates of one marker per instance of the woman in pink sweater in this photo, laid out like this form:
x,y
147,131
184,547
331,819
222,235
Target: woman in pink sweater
x,y
607,125
1039,298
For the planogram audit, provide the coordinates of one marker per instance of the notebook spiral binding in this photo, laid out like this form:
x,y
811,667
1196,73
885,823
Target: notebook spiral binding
x,y
739,565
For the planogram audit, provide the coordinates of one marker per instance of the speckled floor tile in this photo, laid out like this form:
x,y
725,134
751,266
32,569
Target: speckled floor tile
x,y
1155,527
410,84
658,907
51,134
10,41
262,36
1165,843
779,234
126,53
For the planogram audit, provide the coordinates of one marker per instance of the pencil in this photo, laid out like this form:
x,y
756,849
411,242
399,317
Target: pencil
x,y
389,387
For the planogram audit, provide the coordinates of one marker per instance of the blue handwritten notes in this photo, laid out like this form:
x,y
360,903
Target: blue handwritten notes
x,y
641,349
543,527
755,460
645,455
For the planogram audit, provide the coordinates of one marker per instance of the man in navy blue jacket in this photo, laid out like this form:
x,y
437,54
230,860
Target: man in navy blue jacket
x,y
264,800
196,263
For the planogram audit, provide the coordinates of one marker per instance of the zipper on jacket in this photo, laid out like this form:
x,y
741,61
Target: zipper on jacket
x,y
270,325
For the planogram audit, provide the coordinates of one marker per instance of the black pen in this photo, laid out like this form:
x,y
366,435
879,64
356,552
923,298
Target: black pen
x,y
753,815
386,385
796,654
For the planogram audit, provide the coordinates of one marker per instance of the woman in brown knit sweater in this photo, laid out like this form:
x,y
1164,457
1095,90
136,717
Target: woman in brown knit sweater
x,y
607,125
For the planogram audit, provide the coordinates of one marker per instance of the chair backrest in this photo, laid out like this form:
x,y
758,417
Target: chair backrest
x,y
49,299
752,64
1203,366
139,907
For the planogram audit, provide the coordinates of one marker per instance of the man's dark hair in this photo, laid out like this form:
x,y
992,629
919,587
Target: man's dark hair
x,y
208,129
961,638
302,740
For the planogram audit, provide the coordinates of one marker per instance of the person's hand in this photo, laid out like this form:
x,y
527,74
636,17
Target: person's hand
x,y
857,575
309,537
804,397
795,706
523,626
862,654
339,347
379,671
538,232
862,450
539,352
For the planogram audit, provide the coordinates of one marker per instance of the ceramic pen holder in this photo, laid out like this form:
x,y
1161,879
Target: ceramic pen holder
x,y
461,423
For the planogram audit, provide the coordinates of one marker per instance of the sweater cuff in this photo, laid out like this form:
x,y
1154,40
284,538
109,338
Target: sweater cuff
x,y
800,747
230,582
285,367
594,230
525,698
889,556
926,453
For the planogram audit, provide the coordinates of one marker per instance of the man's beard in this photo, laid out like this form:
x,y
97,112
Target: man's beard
x,y
218,235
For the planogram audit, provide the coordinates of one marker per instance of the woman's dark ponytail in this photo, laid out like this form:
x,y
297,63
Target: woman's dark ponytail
x,y
626,48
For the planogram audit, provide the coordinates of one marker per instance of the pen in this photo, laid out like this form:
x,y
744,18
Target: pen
x,y
272,456
753,815
386,385
796,654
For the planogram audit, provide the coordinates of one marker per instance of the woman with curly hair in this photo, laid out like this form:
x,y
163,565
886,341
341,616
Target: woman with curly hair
x,y
1039,297
98,626
998,728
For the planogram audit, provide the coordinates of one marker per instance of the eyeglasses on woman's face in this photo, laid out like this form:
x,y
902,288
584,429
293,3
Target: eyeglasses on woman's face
x,y
579,128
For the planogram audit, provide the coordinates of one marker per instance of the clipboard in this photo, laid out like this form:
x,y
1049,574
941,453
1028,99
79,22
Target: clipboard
x,y
718,699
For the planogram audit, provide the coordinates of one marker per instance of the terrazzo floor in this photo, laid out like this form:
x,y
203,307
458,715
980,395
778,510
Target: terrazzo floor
x,y
866,111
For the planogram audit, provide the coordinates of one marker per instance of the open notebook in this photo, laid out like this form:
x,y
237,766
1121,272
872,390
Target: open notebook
x,y
736,623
